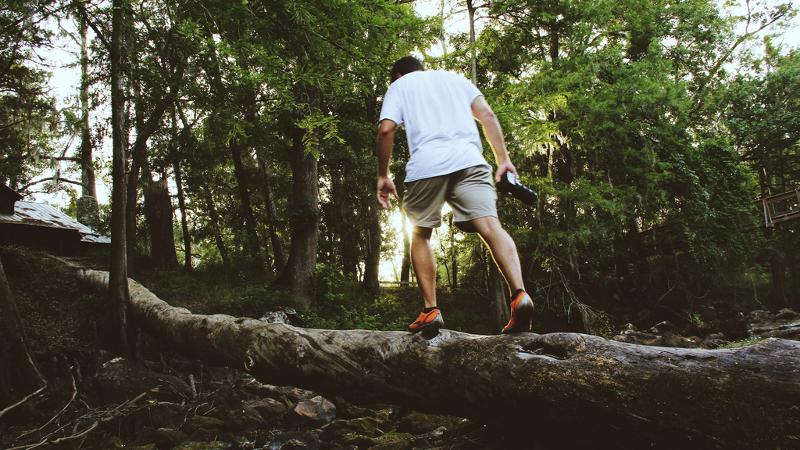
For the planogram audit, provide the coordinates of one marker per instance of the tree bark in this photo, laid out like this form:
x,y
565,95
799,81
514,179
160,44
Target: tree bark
x,y
278,253
158,211
18,373
245,207
372,259
497,296
304,220
213,217
187,240
572,389
88,210
405,266
118,286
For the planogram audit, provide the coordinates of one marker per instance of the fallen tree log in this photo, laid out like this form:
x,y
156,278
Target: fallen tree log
x,y
563,388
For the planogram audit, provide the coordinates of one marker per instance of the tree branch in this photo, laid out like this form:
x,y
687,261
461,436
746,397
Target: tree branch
x,y
57,180
85,14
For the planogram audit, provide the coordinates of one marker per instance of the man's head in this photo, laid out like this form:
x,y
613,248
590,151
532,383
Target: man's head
x,y
404,65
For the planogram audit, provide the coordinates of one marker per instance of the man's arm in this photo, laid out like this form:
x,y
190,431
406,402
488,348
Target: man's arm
x,y
385,142
494,134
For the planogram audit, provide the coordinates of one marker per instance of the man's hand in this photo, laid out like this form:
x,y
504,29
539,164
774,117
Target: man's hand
x,y
502,168
385,188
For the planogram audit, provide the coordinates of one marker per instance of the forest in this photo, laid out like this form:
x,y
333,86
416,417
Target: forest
x,y
228,150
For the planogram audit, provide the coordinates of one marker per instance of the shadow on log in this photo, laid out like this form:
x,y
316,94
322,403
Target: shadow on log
x,y
565,389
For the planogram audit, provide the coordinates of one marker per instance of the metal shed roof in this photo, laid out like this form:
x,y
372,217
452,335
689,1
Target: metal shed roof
x,y
38,214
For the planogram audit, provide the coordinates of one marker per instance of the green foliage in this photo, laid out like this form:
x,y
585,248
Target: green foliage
x,y
648,156
28,119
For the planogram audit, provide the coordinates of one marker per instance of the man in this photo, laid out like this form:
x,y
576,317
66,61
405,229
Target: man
x,y
438,110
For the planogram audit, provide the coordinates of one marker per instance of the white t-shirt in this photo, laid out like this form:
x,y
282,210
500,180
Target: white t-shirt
x,y
435,108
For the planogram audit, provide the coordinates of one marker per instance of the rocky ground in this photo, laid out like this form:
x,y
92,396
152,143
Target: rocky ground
x,y
760,324
182,405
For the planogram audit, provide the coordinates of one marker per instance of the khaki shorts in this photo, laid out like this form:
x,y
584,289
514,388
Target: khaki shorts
x,y
470,192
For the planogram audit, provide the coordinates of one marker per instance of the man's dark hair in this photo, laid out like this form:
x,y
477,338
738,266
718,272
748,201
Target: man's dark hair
x,y
404,65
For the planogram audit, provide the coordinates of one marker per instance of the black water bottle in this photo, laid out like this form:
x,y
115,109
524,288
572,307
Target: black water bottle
x,y
510,184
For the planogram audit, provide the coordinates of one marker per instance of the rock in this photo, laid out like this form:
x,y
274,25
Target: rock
x,y
785,324
786,314
347,410
287,394
394,441
165,415
418,423
243,419
197,445
295,440
285,315
356,440
163,437
204,427
119,379
317,410
345,430
269,408
661,327
430,439
715,340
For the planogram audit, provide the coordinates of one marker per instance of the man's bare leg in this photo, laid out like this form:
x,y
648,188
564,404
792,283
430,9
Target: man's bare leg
x,y
424,264
503,250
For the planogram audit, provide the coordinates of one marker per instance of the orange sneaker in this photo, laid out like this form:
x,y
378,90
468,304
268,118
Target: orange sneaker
x,y
521,313
428,323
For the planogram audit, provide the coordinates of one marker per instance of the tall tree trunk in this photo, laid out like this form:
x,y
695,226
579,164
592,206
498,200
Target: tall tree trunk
x,y
342,232
87,204
778,269
278,252
793,262
304,213
453,253
497,295
158,211
213,217
405,266
372,259
138,159
118,274
245,208
187,240
18,373
473,57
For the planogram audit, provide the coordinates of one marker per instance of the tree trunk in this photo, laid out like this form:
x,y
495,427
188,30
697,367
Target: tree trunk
x,y
158,210
405,267
451,230
473,57
304,220
245,207
187,240
118,286
18,373
213,218
778,270
343,233
278,252
88,211
576,390
372,259
497,295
